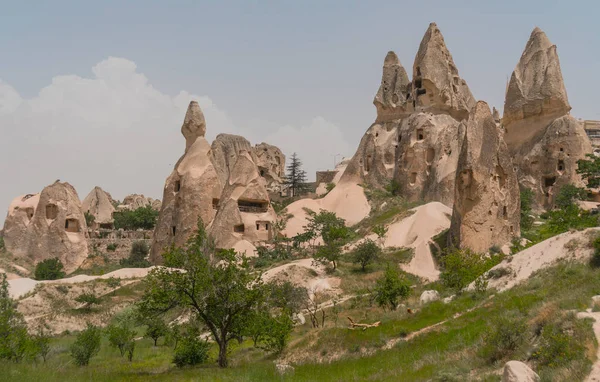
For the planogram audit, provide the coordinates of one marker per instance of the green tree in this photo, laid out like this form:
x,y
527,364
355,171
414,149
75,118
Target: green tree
x,y
89,299
526,208
141,218
463,266
155,328
49,269
137,256
89,219
217,286
590,170
86,345
366,253
121,336
332,230
14,340
391,288
192,350
296,176
569,195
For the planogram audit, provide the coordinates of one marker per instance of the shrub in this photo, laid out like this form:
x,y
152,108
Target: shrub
x,y
111,247
137,256
278,333
49,269
526,207
562,341
497,273
89,218
366,253
155,329
569,195
391,288
2,245
88,299
121,337
507,336
463,266
86,345
330,186
141,218
191,350
595,261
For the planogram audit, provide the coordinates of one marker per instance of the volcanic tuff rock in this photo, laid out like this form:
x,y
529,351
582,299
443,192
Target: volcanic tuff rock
x,y
244,211
135,201
486,204
271,165
47,225
417,135
191,191
225,151
99,204
544,140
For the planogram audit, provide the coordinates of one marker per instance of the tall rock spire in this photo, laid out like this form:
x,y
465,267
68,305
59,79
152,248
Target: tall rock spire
x,y
394,90
536,87
194,125
436,83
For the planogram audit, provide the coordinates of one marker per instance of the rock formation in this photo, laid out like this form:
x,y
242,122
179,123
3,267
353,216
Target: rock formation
x,y
99,204
135,201
517,371
271,165
245,212
225,150
192,190
486,208
47,225
544,140
416,137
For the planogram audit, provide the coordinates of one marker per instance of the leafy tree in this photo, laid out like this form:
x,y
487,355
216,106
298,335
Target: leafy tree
x,y
570,217
141,218
391,288
286,296
332,230
121,336
462,266
89,299
155,328
40,343
86,345
526,207
14,340
49,269
569,195
192,350
590,170
89,219
137,256
296,176
366,253
217,286
174,335
380,230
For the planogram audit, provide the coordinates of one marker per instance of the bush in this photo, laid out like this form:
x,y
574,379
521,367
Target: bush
x,y
366,253
191,350
569,195
562,341
463,266
2,245
155,329
86,345
278,333
89,219
391,288
595,262
507,336
526,207
137,256
111,247
330,186
88,299
121,337
49,269
141,218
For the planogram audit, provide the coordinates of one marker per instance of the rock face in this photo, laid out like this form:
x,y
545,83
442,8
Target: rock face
x,y
192,190
135,201
100,205
245,212
47,225
416,137
271,165
486,204
515,371
544,140
225,150
429,296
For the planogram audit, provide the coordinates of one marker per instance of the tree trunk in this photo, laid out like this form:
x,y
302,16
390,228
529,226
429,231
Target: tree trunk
x,y
222,353
155,341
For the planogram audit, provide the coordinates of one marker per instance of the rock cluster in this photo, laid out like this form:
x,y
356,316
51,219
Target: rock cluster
x,y
135,201
486,208
99,204
47,225
544,140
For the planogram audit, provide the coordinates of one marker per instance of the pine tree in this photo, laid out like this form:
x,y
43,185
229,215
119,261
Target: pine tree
x,y
296,176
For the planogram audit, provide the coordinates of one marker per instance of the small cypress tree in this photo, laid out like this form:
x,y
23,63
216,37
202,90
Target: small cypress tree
x,y
296,176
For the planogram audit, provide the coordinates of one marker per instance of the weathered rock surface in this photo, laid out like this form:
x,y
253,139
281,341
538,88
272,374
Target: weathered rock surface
x,y
47,225
544,140
225,150
271,165
245,213
394,92
486,208
429,296
515,371
135,201
100,205
191,191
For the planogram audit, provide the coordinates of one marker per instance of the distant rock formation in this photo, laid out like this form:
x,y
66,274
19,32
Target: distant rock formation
x,y
245,213
271,165
47,225
100,205
225,150
192,190
486,208
135,201
544,140
417,135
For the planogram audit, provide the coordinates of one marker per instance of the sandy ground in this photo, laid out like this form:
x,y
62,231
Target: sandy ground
x,y
569,245
347,200
304,273
21,286
595,373
416,231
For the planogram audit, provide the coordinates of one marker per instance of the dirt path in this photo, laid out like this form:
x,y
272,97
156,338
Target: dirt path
x,y
595,374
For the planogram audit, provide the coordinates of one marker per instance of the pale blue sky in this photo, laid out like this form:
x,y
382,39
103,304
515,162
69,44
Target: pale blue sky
x,y
269,68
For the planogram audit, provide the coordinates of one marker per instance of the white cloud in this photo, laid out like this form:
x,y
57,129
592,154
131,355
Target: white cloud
x,y
117,131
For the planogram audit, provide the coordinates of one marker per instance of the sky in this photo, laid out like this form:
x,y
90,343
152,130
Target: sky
x,y
94,93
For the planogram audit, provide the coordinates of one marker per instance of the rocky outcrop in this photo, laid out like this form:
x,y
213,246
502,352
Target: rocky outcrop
x,y
516,371
271,165
225,150
47,225
192,190
544,140
486,208
245,215
99,204
416,138
135,201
